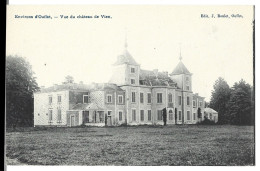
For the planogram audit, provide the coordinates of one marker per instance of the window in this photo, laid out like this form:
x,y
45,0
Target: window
x,y
85,99
194,116
149,115
188,100
170,115
188,115
120,115
180,116
120,99
149,98
159,115
187,87
141,97
200,103
179,100
132,70
50,99
59,115
170,98
133,97
159,97
142,115
194,103
50,115
109,98
109,113
133,115
59,98
132,81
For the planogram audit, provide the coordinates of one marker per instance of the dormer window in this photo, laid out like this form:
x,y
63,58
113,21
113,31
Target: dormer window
x,y
86,98
132,70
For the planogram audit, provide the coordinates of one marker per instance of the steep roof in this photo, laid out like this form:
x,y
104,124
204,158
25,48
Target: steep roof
x,y
85,106
155,78
180,69
209,110
125,58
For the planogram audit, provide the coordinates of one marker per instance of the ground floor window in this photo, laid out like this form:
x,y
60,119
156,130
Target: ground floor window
x,y
194,116
59,115
180,116
120,116
188,115
159,115
50,114
149,115
133,115
142,115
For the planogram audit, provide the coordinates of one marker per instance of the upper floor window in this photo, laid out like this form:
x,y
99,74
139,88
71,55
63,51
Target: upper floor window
x,y
109,98
188,100
85,99
50,99
200,104
59,98
187,87
170,98
133,97
141,97
159,97
194,103
120,99
179,100
132,70
142,115
149,98
132,81
194,116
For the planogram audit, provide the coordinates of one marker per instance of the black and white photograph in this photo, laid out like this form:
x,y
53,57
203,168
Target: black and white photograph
x,y
130,85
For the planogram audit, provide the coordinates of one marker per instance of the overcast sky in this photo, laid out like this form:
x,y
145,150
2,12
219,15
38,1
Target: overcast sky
x,y
87,48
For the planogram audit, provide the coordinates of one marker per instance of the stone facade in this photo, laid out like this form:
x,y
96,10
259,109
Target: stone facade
x,y
133,96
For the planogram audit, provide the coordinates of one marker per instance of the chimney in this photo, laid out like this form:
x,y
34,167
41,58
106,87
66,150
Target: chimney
x,y
155,71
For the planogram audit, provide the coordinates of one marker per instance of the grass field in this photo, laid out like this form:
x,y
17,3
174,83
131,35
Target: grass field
x,y
143,145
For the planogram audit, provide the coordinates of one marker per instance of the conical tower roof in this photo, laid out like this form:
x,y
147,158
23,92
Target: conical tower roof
x,y
180,69
125,58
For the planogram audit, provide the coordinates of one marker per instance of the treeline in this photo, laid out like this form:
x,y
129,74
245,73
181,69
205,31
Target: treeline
x,y
20,85
235,105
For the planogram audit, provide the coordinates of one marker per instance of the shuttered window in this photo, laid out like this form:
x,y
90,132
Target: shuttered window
x,y
149,115
142,115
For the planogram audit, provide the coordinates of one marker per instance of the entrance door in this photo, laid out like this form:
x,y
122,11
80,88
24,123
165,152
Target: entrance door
x,y
72,121
109,121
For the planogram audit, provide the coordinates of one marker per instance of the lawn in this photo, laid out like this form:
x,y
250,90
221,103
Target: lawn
x,y
142,145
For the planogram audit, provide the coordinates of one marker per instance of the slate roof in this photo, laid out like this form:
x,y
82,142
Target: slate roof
x,y
81,87
86,106
155,78
209,110
70,86
125,58
180,69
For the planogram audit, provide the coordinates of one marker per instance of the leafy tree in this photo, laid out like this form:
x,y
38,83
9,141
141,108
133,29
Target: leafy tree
x,y
69,79
241,104
20,85
219,100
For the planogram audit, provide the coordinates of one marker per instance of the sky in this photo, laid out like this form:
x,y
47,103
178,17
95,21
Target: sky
x,y
156,34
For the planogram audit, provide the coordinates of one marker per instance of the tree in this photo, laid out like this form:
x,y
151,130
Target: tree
x,y
69,79
241,104
219,100
20,85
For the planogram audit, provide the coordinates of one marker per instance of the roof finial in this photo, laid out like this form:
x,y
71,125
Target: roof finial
x,y
125,39
180,53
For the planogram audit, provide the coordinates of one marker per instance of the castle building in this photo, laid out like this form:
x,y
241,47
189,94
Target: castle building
x,y
132,96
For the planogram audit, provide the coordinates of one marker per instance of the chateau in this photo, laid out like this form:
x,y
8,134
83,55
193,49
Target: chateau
x,y
133,96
